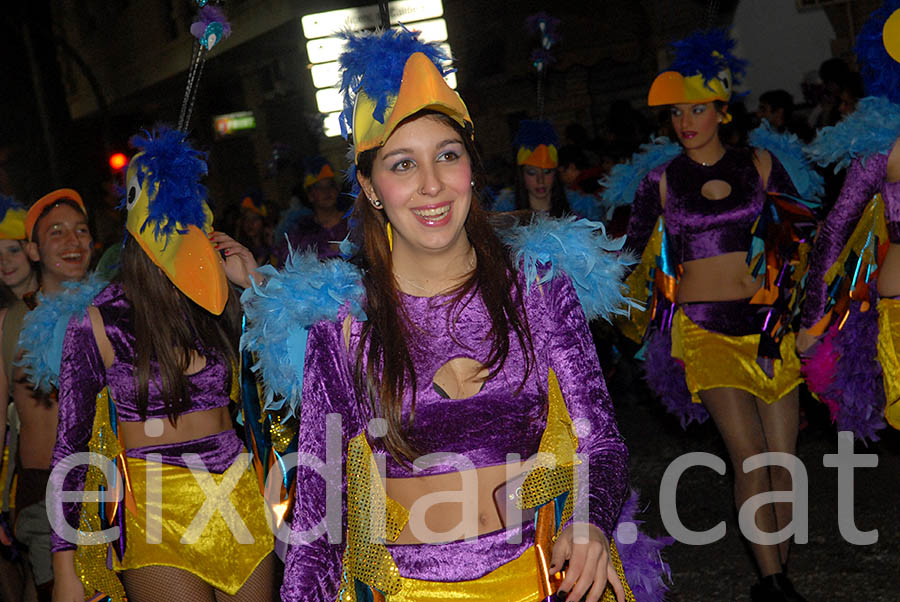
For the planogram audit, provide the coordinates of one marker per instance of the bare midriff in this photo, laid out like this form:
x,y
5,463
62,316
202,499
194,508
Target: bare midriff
x,y
190,426
720,278
462,515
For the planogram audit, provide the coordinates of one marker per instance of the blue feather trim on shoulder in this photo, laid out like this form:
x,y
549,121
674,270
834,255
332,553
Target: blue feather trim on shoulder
x,y
44,329
623,180
580,248
504,201
280,312
870,130
588,206
788,149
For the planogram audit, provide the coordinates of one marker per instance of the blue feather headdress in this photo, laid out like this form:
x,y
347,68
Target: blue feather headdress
x,y
374,62
881,73
8,203
708,53
174,170
533,133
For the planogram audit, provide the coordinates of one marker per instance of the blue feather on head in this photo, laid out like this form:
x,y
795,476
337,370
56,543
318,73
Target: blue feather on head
x,y
708,53
174,170
8,203
374,62
533,133
881,73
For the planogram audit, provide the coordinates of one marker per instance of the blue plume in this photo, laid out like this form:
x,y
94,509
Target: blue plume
x,y
44,328
623,180
280,312
505,200
587,205
534,133
694,54
374,62
881,73
580,248
872,129
8,203
174,170
788,149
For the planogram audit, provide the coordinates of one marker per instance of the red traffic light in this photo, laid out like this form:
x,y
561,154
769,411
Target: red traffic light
x,y
117,161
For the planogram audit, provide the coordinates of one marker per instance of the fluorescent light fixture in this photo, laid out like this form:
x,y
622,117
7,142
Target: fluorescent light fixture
x,y
331,124
326,75
321,25
329,100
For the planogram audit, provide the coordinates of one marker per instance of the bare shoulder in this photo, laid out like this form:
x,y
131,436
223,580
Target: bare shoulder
x,y
893,164
99,330
763,161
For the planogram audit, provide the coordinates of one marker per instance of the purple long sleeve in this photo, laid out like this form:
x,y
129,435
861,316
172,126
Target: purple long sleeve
x,y
313,570
864,179
574,359
82,376
645,211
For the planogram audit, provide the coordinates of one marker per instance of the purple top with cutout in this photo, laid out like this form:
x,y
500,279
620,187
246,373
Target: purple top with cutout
x,y
483,428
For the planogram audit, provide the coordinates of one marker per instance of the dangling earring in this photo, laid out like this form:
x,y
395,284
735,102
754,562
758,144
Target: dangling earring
x,y
390,236
376,203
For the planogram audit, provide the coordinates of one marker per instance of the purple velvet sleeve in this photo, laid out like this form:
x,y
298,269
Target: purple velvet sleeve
x,y
864,179
574,359
645,211
313,570
82,376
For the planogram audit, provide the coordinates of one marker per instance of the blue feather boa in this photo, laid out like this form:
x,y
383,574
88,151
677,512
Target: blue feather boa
x,y
44,328
623,180
872,129
581,249
280,312
788,149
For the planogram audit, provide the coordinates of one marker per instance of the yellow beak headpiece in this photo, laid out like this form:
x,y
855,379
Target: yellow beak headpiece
x,y
388,76
12,219
317,170
704,71
169,217
536,143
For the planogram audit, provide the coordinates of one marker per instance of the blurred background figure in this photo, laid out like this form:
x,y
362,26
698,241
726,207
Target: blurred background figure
x,y
254,229
777,107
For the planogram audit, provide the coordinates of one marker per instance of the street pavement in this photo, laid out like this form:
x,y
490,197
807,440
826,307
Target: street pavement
x,y
826,568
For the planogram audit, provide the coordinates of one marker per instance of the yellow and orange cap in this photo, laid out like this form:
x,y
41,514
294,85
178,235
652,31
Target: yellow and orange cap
x,y
536,144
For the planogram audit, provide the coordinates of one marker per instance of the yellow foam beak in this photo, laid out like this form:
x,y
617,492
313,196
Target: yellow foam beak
x,y
890,35
188,259
545,157
422,88
671,87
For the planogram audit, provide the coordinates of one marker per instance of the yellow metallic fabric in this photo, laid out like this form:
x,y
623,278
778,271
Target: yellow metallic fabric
x,y
90,561
372,519
713,360
888,343
515,581
216,556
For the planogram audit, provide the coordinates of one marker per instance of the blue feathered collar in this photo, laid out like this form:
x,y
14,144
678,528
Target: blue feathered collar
x,y
44,328
872,129
620,186
789,151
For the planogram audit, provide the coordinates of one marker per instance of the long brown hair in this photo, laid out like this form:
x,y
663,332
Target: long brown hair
x,y
382,377
169,328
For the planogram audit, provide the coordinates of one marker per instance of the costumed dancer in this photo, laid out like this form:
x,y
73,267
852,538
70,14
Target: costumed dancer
x,y
254,230
162,339
18,277
321,224
702,214
857,245
436,358
538,185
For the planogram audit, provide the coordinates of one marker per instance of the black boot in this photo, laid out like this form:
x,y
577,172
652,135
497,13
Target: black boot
x,y
775,588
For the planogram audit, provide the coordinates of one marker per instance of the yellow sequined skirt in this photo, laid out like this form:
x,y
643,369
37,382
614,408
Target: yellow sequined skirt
x,y
888,343
218,543
713,361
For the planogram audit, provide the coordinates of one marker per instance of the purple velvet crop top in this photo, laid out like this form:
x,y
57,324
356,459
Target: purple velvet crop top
x,y
865,178
83,376
484,428
699,227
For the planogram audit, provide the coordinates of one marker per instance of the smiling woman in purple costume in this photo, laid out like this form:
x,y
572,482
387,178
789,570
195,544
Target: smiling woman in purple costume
x,y
442,360
698,204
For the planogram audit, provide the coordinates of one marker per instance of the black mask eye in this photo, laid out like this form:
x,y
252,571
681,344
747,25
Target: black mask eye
x,y
132,192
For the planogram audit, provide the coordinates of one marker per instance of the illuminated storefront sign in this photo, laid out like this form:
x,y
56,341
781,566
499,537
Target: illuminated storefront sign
x,y
232,123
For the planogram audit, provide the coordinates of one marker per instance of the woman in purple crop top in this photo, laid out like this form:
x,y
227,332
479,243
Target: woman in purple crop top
x,y
859,240
698,206
162,340
472,363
